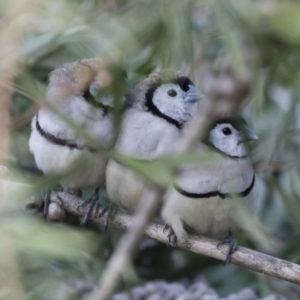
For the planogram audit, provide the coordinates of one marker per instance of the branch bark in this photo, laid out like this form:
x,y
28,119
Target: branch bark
x,y
246,258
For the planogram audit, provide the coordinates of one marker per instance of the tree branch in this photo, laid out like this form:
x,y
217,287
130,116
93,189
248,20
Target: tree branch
x,y
246,258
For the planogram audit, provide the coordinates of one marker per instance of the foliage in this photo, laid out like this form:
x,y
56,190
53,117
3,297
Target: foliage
x,y
144,35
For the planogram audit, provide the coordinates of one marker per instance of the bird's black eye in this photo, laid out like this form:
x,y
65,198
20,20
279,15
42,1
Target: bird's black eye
x,y
172,93
227,131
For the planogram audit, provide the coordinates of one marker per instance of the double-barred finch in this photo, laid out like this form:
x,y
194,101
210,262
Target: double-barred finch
x,y
200,201
57,146
158,108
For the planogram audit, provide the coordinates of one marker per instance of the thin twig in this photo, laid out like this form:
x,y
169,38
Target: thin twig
x,y
24,119
246,258
15,22
126,248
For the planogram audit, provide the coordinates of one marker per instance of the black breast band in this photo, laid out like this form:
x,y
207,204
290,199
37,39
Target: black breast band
x,y
58,141
242,194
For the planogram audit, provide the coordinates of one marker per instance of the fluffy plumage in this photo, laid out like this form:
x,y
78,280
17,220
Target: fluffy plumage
x,y
157,110
68,91
211,213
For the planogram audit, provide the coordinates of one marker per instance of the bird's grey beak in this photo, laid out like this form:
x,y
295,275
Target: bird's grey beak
x,y
248,135
192,95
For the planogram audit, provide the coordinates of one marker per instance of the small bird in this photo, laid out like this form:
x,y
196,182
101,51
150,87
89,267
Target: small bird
x,y
158,108
57,146
200,201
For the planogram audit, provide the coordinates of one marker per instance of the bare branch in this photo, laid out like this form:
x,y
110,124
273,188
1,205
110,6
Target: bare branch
x,y
246,258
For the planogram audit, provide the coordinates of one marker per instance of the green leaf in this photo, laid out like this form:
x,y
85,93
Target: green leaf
x,y
284,21
48,239
152,170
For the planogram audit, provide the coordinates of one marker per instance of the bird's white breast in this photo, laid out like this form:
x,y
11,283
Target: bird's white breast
x,y
81,168
211,216
143,136
77,111
146,136
124,186
225,175
56,159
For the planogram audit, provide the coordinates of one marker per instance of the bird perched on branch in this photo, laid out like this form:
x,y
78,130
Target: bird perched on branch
x,y
159,106
200,201
69,132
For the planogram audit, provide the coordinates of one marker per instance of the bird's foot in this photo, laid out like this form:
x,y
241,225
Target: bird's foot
x,y
46,203
232,246
47,200
171,235
110,211
166,227
94,207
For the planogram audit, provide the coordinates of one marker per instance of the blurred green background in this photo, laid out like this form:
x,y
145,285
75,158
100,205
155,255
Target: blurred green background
x,y
261,36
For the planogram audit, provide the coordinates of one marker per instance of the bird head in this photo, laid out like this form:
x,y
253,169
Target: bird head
x,y
229,136
169,95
